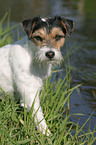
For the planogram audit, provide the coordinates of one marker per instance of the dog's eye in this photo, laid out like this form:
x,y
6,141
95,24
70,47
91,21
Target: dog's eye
x,y
38,38
58,37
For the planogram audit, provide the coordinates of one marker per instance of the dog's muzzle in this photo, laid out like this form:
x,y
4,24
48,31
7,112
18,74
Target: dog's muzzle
x,y
50,54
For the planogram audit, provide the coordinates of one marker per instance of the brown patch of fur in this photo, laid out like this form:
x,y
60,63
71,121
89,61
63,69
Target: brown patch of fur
x,y
49,39
57,31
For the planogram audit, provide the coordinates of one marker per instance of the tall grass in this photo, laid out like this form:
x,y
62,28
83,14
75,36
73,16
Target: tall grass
x,y
5,31
17,125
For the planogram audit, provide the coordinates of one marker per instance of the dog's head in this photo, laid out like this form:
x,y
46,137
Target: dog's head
x,y
48,35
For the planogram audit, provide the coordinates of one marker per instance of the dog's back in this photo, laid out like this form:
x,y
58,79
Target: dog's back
x,y
5,71
7,55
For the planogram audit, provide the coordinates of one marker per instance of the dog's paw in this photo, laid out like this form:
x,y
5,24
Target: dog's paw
x,y
48,132
44,128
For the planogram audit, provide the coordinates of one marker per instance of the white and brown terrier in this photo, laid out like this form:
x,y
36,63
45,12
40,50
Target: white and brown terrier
x,y
26,63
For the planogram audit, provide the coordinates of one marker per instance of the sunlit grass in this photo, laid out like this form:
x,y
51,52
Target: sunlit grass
x,y
17,125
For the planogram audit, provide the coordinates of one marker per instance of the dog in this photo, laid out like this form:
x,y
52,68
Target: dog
x,y
26,63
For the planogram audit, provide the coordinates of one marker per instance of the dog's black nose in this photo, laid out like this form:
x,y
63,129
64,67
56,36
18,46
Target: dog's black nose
x,y
50,54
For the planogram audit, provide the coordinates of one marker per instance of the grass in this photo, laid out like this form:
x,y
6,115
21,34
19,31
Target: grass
x,y
17,127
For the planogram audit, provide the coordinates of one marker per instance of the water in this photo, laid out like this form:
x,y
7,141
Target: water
x,y
83,60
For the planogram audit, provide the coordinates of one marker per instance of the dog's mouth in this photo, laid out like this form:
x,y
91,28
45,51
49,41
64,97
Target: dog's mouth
x,y
51,61
49,56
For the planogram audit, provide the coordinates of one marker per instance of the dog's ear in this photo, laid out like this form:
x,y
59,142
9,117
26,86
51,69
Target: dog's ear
x,y
68,25
27,26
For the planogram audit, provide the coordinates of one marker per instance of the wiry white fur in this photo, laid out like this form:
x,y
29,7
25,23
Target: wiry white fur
x,y
23,67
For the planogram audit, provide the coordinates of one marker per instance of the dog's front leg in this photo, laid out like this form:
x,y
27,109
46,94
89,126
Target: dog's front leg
x,y
39,118
37,112
28,90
